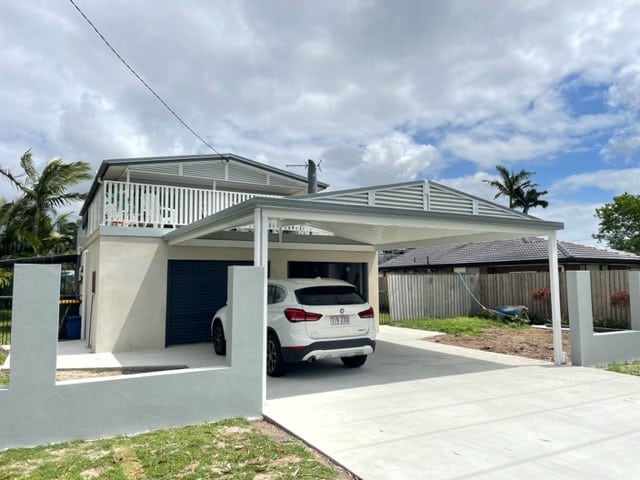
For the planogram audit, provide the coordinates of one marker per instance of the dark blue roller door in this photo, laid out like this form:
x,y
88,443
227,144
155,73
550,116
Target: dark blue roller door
x,y
195,290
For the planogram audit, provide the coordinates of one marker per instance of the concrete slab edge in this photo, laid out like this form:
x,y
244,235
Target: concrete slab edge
x,y
270,420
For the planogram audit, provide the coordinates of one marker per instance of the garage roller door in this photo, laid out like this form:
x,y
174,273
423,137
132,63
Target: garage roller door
x,y
195,290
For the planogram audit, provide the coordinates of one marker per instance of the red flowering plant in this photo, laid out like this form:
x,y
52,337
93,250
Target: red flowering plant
x,y
620,299
541,293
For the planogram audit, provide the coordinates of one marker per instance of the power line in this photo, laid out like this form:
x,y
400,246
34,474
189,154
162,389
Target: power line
x,y
184,124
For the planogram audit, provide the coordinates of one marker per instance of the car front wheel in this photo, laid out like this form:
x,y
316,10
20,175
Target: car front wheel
x,y
275,363
219,342
354,362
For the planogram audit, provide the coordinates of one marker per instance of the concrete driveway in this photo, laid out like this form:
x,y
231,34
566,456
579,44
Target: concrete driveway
x,y
422,410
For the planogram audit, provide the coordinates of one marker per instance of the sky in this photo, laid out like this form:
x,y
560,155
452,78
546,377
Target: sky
x,y
376,91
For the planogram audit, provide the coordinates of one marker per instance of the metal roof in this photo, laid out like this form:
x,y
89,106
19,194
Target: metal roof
x,y
515,251
381,227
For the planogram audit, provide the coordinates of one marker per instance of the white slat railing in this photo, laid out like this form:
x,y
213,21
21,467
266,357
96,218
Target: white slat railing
x,y
139,204
161,206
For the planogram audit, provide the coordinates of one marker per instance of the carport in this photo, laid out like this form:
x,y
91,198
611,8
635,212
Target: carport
x,y
382,217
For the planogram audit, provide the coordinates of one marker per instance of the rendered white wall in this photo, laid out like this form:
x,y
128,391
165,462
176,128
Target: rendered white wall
x,y
130,305
589,348
36,410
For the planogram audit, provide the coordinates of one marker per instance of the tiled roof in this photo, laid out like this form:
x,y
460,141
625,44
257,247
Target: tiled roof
x,y
526,250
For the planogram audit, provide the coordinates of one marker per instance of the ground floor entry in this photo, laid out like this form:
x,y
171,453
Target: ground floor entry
x,y
195,290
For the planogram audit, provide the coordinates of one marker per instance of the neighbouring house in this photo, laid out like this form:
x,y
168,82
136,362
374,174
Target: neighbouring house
x,y
158,235
527,254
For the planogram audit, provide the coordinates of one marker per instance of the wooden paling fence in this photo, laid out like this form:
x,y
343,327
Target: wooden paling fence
x,y
413,295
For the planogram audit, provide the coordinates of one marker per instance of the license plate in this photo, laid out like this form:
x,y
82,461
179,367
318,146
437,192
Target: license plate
x,y
339,319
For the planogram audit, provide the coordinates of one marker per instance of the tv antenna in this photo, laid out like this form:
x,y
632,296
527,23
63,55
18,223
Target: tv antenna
x,y
312,176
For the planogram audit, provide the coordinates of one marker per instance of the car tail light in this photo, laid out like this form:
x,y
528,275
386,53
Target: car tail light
x,y
300,315
368,313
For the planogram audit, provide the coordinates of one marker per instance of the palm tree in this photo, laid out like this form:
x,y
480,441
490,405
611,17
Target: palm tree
x,y
511,184
530,198
28,221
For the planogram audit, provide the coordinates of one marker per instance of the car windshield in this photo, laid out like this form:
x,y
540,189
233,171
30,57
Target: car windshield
x,y
329,295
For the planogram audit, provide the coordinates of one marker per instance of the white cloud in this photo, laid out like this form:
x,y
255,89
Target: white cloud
x,y
625,142
488,152
614,180
577,216
283,82
625,91
475,184
390,159
579,220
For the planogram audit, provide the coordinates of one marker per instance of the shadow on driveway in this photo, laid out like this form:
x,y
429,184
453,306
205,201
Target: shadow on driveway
x,y
390,363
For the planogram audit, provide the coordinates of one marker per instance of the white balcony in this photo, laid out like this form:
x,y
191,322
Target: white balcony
x,y
126,204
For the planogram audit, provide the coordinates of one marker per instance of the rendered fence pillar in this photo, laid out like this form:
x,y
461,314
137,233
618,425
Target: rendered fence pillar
x,y
247,308
261,259
580,316
634,300
34,327
558,354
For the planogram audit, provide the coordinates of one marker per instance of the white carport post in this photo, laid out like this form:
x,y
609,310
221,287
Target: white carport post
x,y
558,354
260,259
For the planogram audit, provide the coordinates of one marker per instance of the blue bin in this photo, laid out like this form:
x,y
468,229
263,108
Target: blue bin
x,y
72,327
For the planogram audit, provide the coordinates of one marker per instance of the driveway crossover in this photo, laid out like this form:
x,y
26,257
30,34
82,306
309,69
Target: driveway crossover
x,y
425,410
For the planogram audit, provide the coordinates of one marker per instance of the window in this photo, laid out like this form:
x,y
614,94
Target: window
x,y
329,295
354,273
275,294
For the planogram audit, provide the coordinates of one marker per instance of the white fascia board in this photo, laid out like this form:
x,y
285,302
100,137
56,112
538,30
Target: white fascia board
x,y
208,228
278,245
282,208
446,240
128,231
463,223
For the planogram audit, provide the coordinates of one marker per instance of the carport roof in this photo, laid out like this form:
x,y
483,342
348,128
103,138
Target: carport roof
x,y
389,218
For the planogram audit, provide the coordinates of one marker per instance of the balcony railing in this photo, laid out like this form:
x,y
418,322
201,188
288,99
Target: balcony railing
x,y
128,204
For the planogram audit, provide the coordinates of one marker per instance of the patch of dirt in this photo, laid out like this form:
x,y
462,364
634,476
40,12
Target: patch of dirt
x,y
234,430
524,342
71,374
90,474
129,463
280,435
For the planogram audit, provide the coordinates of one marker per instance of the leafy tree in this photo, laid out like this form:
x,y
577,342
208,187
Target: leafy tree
x,y
30,225
518,188
6,276
620,223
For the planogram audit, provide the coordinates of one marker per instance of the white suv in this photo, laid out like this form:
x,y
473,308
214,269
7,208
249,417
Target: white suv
x,y
308,320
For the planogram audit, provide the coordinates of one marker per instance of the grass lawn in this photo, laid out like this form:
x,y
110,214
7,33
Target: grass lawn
x,y
456,325
231,449
630,368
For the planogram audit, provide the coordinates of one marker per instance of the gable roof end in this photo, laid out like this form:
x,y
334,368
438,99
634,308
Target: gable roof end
x,y
423,195
123,163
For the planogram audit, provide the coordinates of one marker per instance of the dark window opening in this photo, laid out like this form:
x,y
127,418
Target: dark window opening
x,y
329,295
353,273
